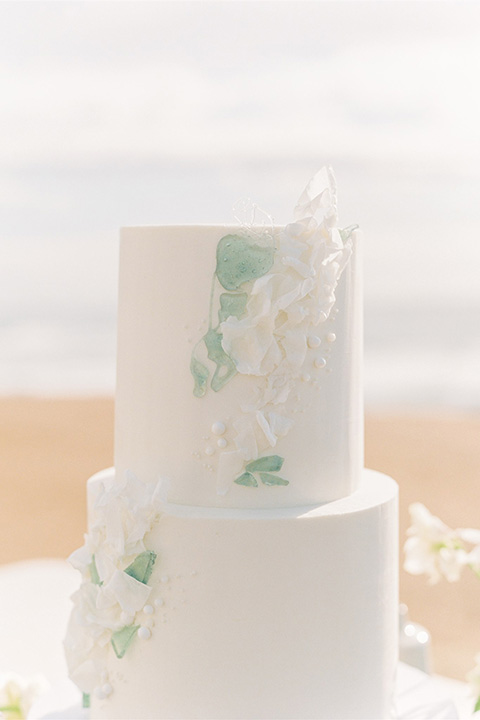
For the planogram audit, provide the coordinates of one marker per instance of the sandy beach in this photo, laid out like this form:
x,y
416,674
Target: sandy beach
x,y
49,448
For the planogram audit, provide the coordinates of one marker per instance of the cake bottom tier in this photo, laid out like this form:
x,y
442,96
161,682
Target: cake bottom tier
x,y
288,613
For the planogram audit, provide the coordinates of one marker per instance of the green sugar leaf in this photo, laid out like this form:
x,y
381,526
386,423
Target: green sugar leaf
x,y
477,706
270,463
121,640
225,366
269,479
141,568
232,305
240,260
85,700
247,479
95,577
200,375
346,232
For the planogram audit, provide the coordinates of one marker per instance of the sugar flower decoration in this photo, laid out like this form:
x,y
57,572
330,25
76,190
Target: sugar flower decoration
x,y
281,285
115,566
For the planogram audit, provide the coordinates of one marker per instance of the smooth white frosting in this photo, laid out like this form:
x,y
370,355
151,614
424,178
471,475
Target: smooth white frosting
x,y
268,613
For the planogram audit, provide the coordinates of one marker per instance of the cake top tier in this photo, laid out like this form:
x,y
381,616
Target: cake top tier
x,y
239,350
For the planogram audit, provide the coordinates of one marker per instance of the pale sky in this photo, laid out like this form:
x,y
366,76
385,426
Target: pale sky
x,y
144,81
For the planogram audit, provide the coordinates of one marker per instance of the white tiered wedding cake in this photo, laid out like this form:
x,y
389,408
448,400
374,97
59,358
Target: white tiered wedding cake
x,y
239,563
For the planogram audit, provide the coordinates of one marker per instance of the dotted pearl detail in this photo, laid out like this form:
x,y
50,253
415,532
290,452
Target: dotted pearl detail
x,y
314,341
331,337
144,633
218,428
222,443
320,362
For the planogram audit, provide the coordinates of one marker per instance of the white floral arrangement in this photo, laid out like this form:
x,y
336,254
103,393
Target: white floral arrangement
x,y
276,285
435,550
17,695
111,607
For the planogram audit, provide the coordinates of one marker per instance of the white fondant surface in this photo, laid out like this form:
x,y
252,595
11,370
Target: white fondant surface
x,y
268,614
163,430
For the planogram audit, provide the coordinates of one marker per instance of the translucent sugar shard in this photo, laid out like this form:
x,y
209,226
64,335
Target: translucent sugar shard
x,y
122,639
269,479
269,463
247,479
141,568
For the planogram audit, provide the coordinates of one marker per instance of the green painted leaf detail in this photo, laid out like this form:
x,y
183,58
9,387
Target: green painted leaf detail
x,y
232,305
247,479
95,577
269,479
121,640
200,375
240,260
225,366
270,463
477,706
85,700
141,568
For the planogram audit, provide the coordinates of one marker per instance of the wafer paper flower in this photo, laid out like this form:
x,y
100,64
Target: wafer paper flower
x,y
433,548
115,567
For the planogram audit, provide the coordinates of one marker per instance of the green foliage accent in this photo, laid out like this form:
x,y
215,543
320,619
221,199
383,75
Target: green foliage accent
x,y
121,639
141,568
12,712
95,577
477,706
225,366
269,463
231,304
240,260
85,700
269,479
346,232
200,376
247,479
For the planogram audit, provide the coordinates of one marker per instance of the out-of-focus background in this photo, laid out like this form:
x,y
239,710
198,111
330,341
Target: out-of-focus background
x,y
128,113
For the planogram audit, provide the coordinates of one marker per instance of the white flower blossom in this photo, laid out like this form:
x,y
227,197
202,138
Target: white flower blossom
x,y
122,513
17,694
432,548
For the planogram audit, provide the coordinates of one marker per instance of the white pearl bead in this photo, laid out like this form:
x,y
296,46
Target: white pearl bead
x,y
158,602
314,341
331,337
320,362
209,450
148,610
107,689
222,443
218,428
144,633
